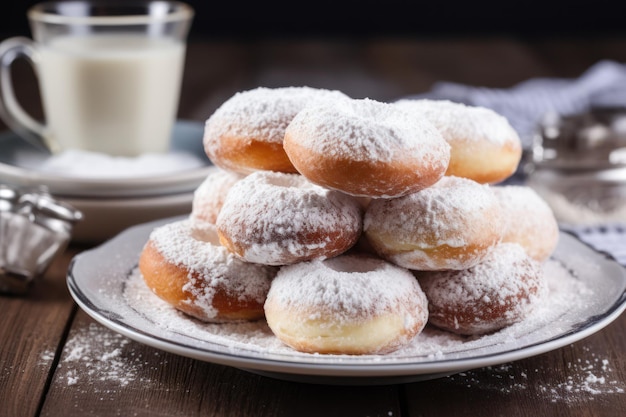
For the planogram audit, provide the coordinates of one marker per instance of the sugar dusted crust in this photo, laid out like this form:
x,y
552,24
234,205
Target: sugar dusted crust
x,y
209,197
201,278
530,221
451,225
246,132
483,145
276,218
500,291
366,148
484,162
346,305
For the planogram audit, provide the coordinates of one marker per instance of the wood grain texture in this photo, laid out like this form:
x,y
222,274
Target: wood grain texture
x,y
32,331
586,378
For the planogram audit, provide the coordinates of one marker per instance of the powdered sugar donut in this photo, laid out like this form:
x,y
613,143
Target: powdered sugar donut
x,y
484,146
451,225
501,290
202,279
346,305
366,148
246,132
208,199
276,218
529,220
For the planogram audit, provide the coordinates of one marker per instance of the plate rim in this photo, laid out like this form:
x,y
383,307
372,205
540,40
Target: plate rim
x,y
382,369
153,185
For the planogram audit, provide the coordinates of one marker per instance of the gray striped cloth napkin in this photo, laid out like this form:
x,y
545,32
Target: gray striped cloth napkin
x,y
610,238
525,104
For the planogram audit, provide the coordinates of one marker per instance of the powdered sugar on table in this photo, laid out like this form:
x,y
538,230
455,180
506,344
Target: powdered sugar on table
x,y
95,165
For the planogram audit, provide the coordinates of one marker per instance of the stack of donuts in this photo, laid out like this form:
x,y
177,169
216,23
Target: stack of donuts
x,y
350,224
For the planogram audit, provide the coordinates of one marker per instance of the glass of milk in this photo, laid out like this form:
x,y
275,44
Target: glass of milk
x,y
109,74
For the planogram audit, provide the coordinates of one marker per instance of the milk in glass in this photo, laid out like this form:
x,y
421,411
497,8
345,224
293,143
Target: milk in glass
x,y
111,93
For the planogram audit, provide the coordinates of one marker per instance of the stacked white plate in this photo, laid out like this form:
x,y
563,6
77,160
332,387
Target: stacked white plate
x,y
112,201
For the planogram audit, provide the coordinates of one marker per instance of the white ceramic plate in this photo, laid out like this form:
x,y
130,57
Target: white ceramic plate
x,y
19,162
591,288
105,218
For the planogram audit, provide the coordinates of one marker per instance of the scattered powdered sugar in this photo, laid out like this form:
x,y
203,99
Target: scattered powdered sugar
x,y
95,165
552,316
458,121
367,130
95,354
277,218
586,379
46,357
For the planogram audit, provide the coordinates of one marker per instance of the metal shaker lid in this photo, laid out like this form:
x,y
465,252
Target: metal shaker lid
x,y
43,209
34,228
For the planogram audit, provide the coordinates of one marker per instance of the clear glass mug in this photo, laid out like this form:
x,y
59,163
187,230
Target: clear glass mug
x,y
109,74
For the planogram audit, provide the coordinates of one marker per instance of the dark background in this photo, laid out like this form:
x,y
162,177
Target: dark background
x,y
236,19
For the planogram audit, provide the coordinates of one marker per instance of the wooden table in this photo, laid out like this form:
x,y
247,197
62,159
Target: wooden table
x,y
56,361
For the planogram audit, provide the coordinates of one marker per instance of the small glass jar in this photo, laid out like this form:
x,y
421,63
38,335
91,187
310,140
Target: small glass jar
x,y
579,166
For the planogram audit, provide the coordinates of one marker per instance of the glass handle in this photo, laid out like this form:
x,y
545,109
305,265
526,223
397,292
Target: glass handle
x,y
10,110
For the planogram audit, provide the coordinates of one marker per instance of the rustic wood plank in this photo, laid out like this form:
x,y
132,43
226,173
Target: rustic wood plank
x,y
103,373
587,378
31,333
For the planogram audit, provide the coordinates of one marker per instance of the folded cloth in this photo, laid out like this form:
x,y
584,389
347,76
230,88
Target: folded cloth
x,y
525,104
610,239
